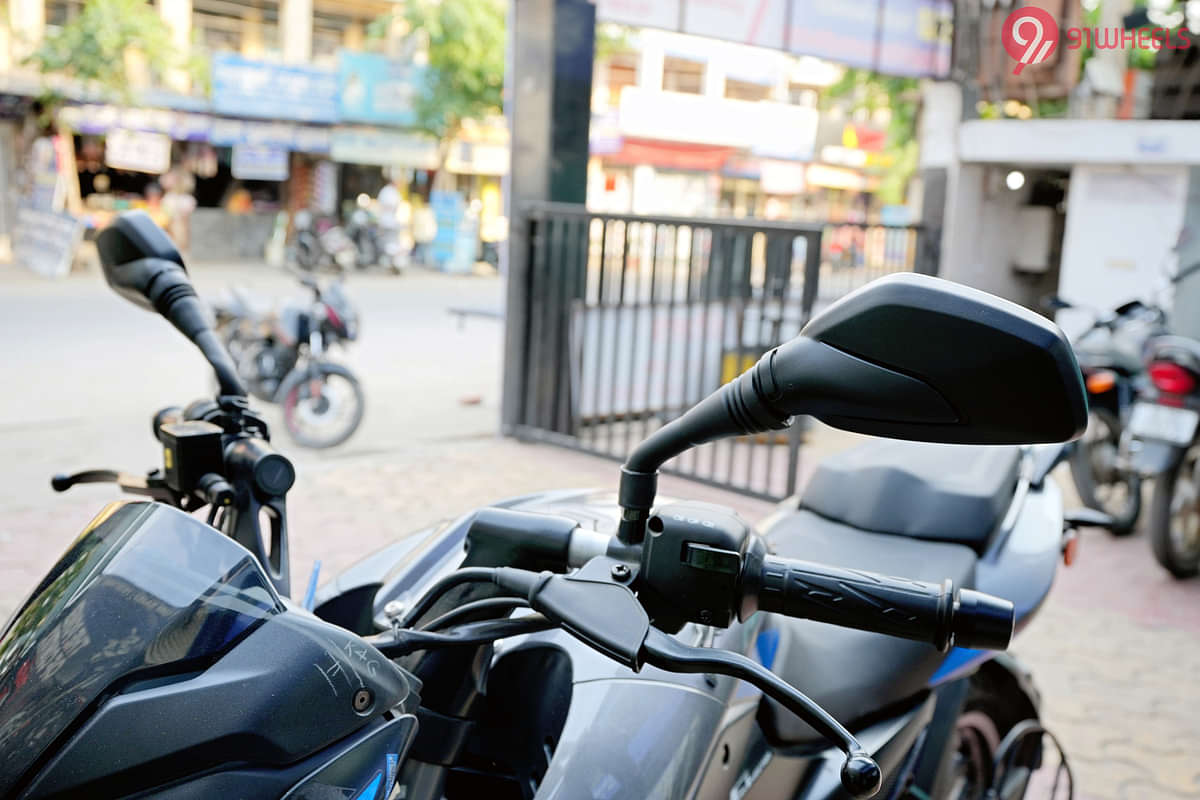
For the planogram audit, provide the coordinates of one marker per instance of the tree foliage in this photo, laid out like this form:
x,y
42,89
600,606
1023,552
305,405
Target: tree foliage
x,y
901,96
464,79
92,46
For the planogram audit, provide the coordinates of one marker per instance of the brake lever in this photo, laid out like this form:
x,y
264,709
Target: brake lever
x,y
860,774
596,607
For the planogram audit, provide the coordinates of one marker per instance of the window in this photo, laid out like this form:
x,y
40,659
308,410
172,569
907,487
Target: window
x,y
802,95
745,90
681,75
251,28
622,72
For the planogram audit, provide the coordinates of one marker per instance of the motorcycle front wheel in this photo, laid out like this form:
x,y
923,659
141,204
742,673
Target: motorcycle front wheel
x,y
323,404
1101,484
1175,517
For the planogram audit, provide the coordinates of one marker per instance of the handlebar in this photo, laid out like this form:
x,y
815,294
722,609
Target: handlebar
x,y
925,612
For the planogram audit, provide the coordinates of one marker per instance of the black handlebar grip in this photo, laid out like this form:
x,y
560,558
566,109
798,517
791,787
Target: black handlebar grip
x,y
925,612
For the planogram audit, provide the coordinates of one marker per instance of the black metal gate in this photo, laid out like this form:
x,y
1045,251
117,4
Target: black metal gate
x,y
634,319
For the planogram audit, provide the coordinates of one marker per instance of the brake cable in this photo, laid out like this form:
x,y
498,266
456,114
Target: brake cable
x,y
403,641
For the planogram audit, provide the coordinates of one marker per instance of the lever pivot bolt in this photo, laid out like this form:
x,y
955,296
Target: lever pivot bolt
x,y
620,572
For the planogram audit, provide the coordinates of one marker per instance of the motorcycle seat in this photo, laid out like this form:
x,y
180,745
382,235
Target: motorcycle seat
x,y
855,675
939,492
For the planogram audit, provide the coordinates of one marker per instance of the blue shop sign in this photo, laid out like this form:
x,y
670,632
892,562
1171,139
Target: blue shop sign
x,y
245,88
378,89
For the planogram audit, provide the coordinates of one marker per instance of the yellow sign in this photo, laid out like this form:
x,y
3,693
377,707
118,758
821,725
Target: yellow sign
x,y
168,458
734,363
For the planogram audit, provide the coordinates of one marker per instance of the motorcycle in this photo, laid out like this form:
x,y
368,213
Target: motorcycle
x,y
375,244
1163,425
281,357
566,644
1110,353
321,244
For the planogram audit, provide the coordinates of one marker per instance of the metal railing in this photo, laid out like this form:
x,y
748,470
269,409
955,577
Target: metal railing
x,y
634,319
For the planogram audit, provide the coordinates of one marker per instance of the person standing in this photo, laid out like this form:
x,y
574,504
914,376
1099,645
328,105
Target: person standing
x,y
178,203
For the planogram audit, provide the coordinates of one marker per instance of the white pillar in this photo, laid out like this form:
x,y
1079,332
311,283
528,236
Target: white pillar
x,y
27,19
650,66
295,30
177,14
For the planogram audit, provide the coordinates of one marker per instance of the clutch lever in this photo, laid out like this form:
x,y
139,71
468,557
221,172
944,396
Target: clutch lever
x,y
151,485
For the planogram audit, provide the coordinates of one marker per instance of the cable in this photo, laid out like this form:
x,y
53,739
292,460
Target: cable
x,y
456,578
403,642
1006,754
500,604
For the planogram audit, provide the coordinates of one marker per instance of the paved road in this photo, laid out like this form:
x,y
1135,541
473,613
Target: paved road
x,y
1116,649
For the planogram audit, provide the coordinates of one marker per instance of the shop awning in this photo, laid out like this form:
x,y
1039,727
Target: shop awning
x,y
671,155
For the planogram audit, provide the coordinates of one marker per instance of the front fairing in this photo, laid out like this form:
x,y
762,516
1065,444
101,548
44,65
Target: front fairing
x,y
134,595
156,650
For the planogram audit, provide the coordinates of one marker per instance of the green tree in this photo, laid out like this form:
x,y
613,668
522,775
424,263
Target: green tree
x,y
901,96
91,47
464,78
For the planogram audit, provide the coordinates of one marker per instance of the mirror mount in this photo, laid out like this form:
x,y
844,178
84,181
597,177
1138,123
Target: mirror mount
x,y
907,357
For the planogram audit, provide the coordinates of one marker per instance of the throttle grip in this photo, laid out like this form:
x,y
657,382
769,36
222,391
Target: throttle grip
x,y
925,612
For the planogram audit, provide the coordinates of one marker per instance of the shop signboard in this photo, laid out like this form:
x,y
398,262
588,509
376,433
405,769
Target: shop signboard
x,y
381,147
286,135
895,37
449,209
44,241
898,37
138,151
377,89
782,177
100,118
246,88
252,162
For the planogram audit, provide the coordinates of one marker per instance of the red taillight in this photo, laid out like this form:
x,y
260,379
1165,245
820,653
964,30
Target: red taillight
x,y
1171,378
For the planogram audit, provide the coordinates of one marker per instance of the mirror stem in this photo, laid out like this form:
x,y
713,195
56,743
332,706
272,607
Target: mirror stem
x,y
739,407
222,363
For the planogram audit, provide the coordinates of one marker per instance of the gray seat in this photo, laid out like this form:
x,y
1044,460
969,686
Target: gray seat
x,y
940,492
854,675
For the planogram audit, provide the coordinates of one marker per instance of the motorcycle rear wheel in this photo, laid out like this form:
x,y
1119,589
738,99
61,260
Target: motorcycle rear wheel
x,y
306,397
1175,517
1101,485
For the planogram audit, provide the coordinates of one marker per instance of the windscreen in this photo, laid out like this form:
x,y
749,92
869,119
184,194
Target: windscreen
x,y
146,590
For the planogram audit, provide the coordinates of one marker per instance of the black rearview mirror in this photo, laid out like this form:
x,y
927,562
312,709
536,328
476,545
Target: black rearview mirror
x,y
140,261
908,357
142,264
930,360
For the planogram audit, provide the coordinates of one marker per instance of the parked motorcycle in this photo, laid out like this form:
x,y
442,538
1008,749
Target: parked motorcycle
x,y
375,245
321,244
282,358
567,644
1164,429
1111,353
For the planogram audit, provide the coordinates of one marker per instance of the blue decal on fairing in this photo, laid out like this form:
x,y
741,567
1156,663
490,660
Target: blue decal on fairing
x,y
372,789
767,646
393,760
959,659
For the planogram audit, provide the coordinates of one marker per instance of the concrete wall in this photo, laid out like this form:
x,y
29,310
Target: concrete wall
x,y
983,234
1122,223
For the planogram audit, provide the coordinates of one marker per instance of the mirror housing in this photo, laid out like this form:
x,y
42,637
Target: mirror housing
x,y
139,259
907,357
142,265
